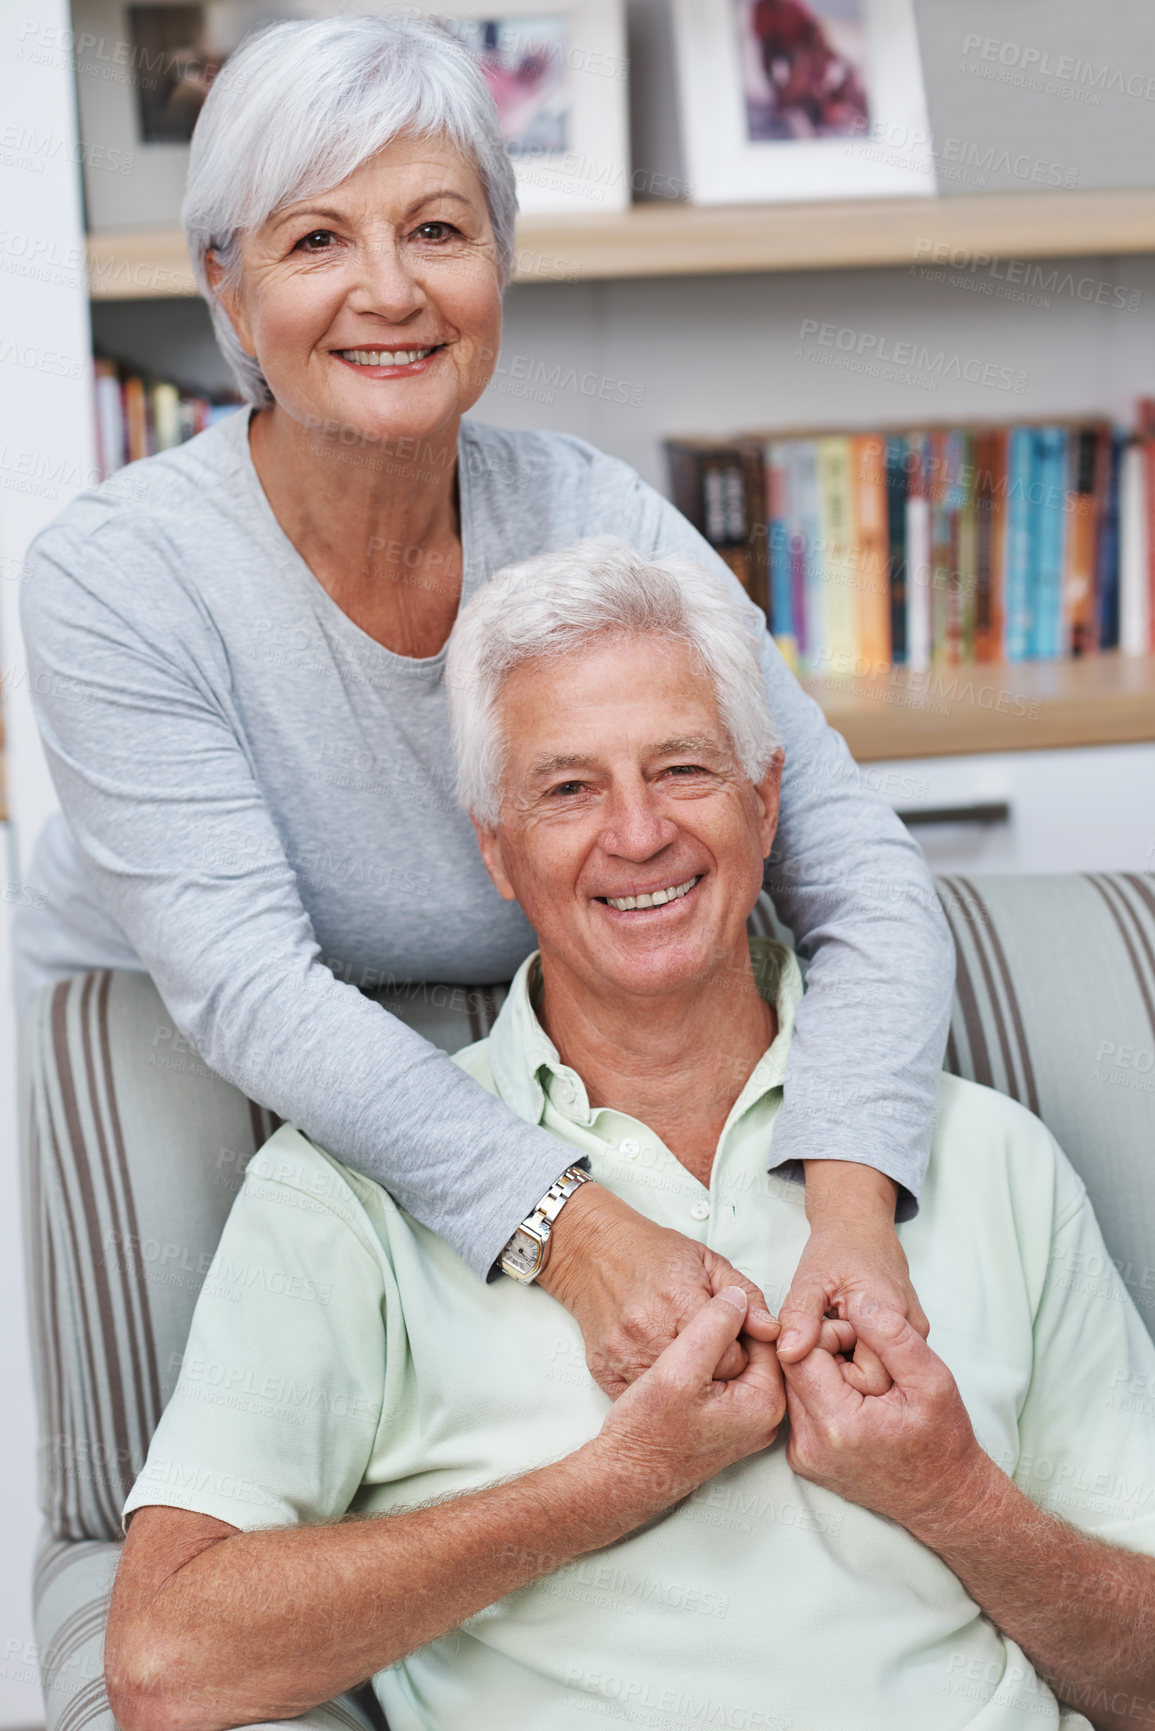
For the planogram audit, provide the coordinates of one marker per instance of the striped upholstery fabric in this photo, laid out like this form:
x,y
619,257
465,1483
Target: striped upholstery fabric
x,y
132,1151
1055,1005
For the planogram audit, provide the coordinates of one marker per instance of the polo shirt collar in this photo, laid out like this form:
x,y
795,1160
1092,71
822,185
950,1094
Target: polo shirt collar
x,y
525,1062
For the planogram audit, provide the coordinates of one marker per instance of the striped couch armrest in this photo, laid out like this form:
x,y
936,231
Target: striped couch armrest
x,y
71,1587
1055,1005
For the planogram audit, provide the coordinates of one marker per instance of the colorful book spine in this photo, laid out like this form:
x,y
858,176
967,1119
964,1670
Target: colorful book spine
x,y
1017,615
873,561
839,540
778,532
1048,535
896,483
919,566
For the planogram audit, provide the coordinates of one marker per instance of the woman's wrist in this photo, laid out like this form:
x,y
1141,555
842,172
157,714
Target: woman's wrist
x,y
846,1192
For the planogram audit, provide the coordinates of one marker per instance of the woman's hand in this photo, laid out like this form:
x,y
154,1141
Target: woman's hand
x,y
633,1286
853,1252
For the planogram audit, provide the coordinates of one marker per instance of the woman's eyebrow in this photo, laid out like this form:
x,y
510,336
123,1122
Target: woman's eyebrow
x,y
296,213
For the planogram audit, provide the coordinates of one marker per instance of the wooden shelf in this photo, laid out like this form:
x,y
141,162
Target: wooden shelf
x,y
1030,706
690,240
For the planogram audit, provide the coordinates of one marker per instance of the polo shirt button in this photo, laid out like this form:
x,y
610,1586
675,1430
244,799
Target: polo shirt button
x,y
700,1211
566,1092
629,1147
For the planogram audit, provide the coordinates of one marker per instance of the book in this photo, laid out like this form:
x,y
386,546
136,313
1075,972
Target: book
x,y
896,484
872,519
919,569
1017,574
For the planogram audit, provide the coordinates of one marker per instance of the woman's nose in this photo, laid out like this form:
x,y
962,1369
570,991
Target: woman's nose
x,y
385,284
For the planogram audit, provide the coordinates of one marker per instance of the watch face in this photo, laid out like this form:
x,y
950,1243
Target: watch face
x,y
522,1255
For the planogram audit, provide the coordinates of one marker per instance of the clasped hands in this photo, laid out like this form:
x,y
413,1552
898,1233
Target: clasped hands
x,y
703,1374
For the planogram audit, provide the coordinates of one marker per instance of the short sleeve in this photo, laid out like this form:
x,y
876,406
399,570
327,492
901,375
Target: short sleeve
x,y
280,1393
1087,1429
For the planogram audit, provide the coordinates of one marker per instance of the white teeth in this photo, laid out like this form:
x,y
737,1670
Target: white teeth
x,y
625,904
384,357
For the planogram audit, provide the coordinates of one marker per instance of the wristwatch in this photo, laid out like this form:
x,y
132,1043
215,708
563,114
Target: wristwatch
x,y
524,1255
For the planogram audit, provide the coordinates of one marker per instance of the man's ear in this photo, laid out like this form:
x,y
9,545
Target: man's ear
x,y
769,792
231,301
490,845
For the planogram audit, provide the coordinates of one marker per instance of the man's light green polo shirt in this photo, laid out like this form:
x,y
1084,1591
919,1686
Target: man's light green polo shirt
x,y
342,1357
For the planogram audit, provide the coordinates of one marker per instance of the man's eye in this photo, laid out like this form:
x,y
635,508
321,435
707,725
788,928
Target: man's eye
x,y
317,240
686,769
567,788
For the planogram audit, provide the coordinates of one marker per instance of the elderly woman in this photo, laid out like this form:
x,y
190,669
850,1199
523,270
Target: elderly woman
x,y
240,672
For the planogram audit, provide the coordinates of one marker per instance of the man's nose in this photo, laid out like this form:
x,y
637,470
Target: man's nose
x,y
636,828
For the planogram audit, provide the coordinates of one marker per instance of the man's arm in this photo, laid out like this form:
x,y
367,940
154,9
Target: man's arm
x,y
1082,1610
212,1627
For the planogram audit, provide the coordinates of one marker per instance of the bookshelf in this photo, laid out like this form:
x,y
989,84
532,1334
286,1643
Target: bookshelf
x,y
663,240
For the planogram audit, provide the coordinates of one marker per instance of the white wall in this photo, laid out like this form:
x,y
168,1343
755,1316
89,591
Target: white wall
x,y
45,456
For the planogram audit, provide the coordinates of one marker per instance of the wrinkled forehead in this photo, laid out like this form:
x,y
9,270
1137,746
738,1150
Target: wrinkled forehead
x,y
618,702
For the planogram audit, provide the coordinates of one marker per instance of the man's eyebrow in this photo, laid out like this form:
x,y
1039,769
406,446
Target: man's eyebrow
x,y
556,761
688,745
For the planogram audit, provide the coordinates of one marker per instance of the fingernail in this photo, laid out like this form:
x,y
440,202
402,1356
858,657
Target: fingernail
x,y
789,1340
735,1296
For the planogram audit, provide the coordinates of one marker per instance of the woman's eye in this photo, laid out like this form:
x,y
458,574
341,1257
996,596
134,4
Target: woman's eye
x,y
444,230
317,240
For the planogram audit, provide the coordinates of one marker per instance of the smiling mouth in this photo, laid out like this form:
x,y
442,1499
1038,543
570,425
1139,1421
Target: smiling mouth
x,y
656,899
386,357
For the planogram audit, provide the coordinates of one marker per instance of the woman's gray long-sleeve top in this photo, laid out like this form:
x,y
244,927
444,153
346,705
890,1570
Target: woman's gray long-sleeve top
x,y
257,809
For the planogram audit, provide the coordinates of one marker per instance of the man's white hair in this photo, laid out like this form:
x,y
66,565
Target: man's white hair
x,y
555,605
302,104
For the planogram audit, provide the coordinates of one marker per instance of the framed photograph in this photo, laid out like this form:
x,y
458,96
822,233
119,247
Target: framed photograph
x,y
801,99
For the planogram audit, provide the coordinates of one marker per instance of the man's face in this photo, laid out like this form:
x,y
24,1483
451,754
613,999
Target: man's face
x,y
620,781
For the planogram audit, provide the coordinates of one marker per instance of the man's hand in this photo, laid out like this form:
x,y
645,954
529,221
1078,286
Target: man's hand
x,y
853,1252
632,1287
678,1424
904,1453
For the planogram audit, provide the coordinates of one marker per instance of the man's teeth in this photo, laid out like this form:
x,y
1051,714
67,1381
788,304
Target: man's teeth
x,y
384,357
625,904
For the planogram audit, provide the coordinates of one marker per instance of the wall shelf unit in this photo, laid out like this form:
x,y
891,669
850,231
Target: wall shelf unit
x,y
656,240
1106,699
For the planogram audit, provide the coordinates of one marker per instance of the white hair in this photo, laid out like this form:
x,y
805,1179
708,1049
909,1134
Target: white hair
x,y
552,606
302,104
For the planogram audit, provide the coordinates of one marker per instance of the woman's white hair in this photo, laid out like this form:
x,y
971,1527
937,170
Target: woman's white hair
x,y
302,104
554,605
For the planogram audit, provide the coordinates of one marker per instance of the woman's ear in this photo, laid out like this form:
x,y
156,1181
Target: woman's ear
x,y
490,845
230,300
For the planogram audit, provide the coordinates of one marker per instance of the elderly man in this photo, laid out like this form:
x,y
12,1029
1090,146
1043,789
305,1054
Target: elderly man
x,y
375,1466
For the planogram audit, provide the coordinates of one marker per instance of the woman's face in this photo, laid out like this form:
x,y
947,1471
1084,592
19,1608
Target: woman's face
x,y
375,308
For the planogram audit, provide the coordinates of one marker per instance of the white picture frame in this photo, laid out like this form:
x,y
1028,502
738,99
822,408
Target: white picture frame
x,y
892,157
